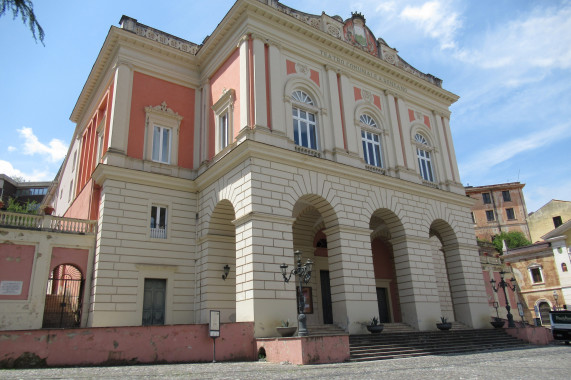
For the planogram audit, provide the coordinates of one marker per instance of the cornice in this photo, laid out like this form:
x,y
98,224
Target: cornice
x,y
105,172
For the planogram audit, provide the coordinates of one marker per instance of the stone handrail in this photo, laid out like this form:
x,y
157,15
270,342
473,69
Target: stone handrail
x,y
47,223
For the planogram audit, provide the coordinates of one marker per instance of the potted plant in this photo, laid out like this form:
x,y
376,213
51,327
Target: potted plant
x,y
48,210
285,329
444,324
498,322
374,326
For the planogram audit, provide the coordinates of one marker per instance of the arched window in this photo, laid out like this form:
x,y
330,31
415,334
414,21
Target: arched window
x,y
304,120
424,159
563,267
371,142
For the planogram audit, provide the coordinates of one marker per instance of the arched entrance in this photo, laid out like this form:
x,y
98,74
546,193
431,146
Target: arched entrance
x,y
384,223
64,298
217,290
444,246
544,310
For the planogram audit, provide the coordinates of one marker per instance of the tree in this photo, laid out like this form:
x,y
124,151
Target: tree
x,y
25,9
514,239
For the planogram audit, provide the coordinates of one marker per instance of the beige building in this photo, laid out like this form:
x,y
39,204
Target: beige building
x,y
283,131
550,216
498,208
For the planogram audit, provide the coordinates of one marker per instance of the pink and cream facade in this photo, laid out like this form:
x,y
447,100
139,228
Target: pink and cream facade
x,y
283,131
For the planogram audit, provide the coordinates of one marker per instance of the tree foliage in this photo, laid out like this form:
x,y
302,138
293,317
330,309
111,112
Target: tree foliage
x,y
25,9
26,208
514,239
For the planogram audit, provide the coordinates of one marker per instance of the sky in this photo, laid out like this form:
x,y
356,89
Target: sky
x,y
508,60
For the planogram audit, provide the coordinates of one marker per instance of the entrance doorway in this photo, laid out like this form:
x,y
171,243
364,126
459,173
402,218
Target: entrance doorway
x,y
63,298
383,302
326,297
154,302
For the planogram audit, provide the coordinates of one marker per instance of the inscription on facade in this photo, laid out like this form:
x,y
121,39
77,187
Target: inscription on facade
x,y
364,71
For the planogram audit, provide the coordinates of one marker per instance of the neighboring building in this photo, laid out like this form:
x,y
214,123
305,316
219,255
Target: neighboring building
x,y
498,208
542,271
22,192
284,131
550,216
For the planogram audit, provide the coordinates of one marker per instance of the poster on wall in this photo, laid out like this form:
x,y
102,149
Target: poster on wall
x,y
307,299
11,288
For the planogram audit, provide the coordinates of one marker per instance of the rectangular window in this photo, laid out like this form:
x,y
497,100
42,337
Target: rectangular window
x,y
506,195
557,221
371,149
490,215
510,213
536,275
158,222
161,144
223,133
473,219
487,198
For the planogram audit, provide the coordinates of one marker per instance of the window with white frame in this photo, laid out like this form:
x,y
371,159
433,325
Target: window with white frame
x,y
372,150
536,274
162,125
223,109
424,158
162,137
304,120
158,222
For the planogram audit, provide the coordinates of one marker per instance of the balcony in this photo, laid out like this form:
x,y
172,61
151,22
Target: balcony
x,y
47,223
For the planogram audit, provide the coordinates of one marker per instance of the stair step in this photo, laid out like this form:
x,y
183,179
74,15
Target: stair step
x,y
399,345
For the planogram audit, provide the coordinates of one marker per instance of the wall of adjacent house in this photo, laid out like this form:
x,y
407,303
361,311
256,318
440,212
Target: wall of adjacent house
x,y
25,259
541,221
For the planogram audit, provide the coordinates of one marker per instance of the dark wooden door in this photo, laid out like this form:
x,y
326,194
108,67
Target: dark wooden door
x,y
383,301
154,302
326,297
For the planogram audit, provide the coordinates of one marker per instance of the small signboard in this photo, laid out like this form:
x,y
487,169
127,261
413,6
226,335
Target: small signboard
x,y
11,288
520,309
214,326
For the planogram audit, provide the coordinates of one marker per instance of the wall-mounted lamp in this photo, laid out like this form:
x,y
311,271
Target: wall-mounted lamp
x,y
226,271
555,297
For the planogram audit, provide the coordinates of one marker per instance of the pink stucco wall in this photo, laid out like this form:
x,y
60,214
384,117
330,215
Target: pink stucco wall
x,y
532,334
130,345
306,350
16,263
73,256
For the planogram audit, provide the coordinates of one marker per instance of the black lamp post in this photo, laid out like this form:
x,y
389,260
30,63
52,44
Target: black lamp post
x,y
503,284
303,273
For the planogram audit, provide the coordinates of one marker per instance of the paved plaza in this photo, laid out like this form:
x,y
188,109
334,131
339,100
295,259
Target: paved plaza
x,y
549,362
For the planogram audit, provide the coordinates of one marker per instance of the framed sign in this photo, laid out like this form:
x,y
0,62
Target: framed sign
x,y
214,326
520,309
307,299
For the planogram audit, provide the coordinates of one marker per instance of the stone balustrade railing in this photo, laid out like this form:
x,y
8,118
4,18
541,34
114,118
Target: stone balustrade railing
x,y
47,223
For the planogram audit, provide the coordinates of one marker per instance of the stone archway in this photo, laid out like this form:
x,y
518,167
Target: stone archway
x,y
64,297
219,250
384,224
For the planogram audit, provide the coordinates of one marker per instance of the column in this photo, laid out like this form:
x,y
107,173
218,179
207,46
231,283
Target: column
x,y
352,278
260,96
244,94
121,110
396,130
334,141
263,243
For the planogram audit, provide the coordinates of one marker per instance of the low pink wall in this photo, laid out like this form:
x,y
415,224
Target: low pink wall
x,y
532,334
306,350
129,345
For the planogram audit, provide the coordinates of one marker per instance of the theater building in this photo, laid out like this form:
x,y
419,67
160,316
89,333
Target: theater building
x,y
282,131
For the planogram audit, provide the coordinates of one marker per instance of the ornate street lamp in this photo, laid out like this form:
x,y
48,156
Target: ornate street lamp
x,y
303,273
505,285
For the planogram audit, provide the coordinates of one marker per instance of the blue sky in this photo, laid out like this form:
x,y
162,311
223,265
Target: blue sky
x,y
508,60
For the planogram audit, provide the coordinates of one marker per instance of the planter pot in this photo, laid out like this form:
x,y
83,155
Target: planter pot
x,y
48,210
498,324
444,326
286,331
375,329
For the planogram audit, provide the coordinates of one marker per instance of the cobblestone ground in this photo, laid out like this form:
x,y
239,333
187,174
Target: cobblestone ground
x,y
551,362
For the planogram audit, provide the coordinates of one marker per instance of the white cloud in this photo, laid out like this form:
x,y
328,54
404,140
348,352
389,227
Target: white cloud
x,y
12,149
437,20
386,7
540,39
495,155
55,150
37,175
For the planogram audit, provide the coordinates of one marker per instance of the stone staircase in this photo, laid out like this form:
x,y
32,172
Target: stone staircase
x,y
460,339
325,330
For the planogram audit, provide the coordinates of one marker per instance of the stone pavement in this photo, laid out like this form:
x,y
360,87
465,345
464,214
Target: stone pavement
x,y
549,362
